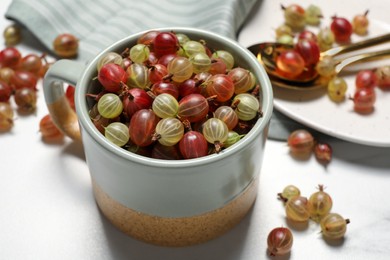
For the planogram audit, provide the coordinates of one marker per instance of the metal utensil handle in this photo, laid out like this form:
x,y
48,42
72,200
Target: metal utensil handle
x,y
362,57
357,45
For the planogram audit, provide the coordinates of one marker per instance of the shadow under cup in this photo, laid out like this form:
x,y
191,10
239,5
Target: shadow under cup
x,y
178,202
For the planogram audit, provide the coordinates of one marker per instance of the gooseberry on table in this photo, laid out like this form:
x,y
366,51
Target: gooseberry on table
x,y
300,141
66,45
288,192
334,226
297,209
49,130
319,204
6,117
279,241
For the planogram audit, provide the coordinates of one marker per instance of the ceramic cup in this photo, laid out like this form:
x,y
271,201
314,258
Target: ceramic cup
x,y
164,202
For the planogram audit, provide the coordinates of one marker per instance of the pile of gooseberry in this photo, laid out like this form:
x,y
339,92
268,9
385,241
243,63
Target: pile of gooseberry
x,y
304,56
300,209
172,97
18,80
302,144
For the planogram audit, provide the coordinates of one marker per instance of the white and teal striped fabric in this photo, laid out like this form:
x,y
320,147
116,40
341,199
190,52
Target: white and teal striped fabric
x,y
98,23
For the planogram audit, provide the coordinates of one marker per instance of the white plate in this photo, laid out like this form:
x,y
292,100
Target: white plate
x,y
314,109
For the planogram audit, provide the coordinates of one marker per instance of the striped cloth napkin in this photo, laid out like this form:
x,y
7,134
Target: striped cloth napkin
x,y
99,23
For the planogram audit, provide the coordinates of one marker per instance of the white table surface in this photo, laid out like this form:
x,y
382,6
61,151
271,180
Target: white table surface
x,y
47,210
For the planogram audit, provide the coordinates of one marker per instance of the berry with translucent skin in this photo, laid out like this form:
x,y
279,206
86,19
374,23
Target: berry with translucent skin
x,y
164,60
136,99
216,132
300,141
334,226
288,192
110,105
10,57
307,35
139,53
383,76
360,24
26,100
294,16
23,79
192,47
49,131
246,106
342,29
218,66
290,63
283,30
242,80
226,57
157,73
319,204
221,86
32,63
182,38
326,67
227,115
193,108
117,133
111,76
5,91
109,57
366,79
6,74
169,131
313,15
165,87
165,43
323,152
12,35
297,209
138,76
100,122
286,39
190,86
364,100
142,126
66,45
325,38
148,37
180,69
337,87
6,117
309,51
165,105
279,241
201,62
193,145
233,137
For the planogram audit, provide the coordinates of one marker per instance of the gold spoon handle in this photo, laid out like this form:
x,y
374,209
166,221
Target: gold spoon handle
x,y
357,45
362,57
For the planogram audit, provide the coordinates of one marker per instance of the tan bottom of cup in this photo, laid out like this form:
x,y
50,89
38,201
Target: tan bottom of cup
x,y
176,231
